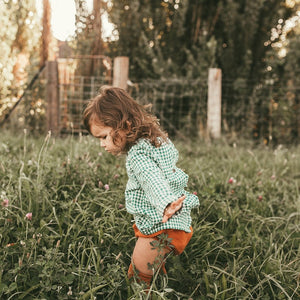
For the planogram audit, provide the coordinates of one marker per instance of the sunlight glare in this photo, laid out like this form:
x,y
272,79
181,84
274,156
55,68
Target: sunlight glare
x,y
63,18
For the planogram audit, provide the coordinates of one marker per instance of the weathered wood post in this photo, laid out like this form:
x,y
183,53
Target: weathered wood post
x,y
120,72
52,99
214,103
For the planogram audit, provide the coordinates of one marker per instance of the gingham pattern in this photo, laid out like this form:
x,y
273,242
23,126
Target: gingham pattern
x,y
154,181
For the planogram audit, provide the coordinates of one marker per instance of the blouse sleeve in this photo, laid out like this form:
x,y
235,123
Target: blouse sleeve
x,y
152,181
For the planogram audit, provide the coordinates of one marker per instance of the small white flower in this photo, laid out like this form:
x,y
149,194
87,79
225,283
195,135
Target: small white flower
x,y
70,293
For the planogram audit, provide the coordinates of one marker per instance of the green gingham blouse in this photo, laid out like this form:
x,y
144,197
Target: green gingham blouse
x,y
154,181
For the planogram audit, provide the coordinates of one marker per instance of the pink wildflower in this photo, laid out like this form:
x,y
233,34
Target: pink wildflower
x,y
29,216
260,197
5,203
273,177
231,180
106,187
195,193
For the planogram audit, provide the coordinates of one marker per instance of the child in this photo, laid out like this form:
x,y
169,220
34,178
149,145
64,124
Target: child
x,y
155,192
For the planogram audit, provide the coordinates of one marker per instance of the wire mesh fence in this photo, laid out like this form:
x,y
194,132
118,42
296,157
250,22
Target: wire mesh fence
x,y
266,111
179,104
25,108
79,80
73,97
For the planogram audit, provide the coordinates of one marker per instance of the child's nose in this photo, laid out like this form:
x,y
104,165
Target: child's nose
x,y
102,144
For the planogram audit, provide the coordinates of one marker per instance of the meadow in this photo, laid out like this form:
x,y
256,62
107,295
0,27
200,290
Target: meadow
x,y
65,232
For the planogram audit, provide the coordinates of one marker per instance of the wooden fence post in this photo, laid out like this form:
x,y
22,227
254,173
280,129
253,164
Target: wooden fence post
x,y
120,72
214,103
52,98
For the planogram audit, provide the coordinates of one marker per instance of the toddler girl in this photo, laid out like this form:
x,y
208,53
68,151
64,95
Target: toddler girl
x,y
154,194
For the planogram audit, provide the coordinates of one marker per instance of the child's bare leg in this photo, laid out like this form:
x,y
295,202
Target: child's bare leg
x,y
144,254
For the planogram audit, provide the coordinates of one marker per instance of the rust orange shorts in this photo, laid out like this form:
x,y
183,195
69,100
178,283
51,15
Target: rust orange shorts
x,y
180,238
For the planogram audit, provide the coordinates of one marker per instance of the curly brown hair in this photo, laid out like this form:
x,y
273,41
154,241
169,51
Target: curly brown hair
x,y
115,108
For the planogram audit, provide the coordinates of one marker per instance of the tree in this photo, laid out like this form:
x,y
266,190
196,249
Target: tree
x,y
46,33
183,38
19,34
89,39
166,39
96,24
293,79
283,73
227,34
149,32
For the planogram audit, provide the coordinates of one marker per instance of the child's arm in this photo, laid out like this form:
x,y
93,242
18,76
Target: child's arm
x,y
154,183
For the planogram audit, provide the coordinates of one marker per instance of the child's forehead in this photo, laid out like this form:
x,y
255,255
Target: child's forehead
x,y
100,126
100,130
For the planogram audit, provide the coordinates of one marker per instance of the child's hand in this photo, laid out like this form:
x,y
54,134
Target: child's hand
x,y
172,208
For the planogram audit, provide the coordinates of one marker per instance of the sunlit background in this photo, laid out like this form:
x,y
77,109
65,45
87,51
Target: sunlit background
x,y
255,44
63,23
63,18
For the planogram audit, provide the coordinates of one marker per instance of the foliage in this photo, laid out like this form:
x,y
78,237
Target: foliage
x,y
19,32
182,39
281,86
172,40
84,32
292,82
78,241
228,34
88,39
154,36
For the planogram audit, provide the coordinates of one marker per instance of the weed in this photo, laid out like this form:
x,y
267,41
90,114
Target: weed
x,y
65,233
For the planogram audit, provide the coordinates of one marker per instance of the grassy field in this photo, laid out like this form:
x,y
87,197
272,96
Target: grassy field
x,y
65,233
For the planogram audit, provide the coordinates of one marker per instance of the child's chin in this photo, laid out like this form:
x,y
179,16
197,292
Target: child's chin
x,y
114,153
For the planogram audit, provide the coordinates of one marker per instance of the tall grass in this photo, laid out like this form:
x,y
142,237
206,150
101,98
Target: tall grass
x,y
78,243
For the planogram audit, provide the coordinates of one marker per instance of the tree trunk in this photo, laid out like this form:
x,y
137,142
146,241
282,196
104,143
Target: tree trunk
x,y
46,32
97,46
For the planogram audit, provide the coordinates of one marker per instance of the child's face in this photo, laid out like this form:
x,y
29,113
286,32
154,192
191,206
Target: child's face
x,y
104,133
